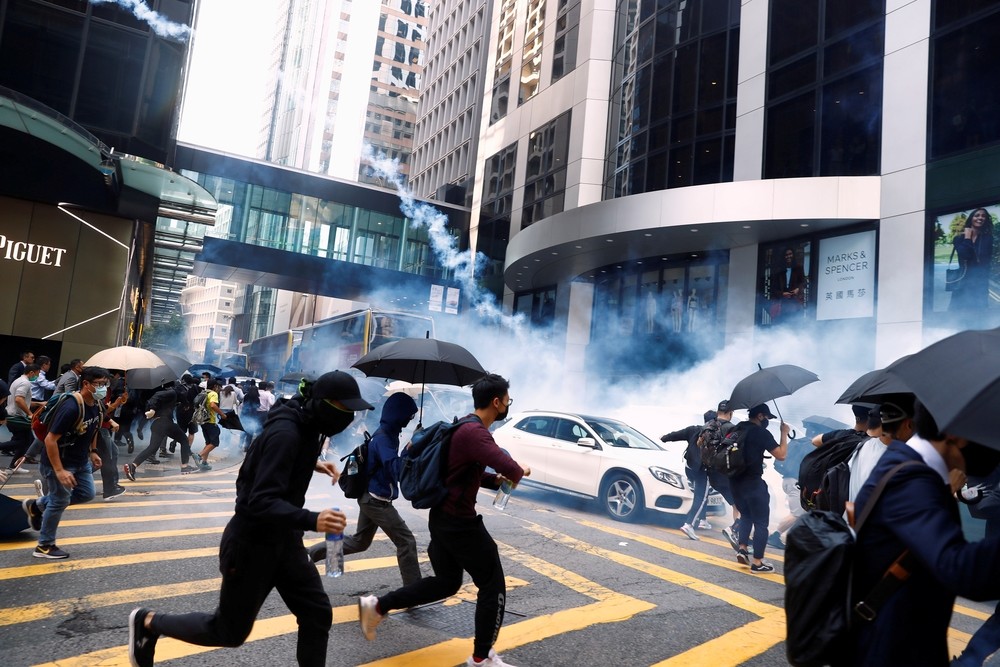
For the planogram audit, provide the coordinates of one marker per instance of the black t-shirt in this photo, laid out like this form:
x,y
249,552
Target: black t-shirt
x,y
64,421
758,440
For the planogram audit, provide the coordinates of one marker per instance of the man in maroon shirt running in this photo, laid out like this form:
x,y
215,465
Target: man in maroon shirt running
x,y
459,540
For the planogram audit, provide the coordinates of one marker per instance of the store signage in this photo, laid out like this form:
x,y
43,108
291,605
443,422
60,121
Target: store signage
x,y
31,253
846,281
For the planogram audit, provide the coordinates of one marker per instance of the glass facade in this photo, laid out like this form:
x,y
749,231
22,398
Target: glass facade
x,y
824,88
101,67
273,218
545,175
531,52
965,79
673,106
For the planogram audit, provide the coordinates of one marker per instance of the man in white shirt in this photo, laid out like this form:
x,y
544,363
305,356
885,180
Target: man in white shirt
x,y
266,397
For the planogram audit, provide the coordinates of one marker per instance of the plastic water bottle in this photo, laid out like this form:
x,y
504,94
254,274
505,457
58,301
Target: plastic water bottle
x,y
352,465
503,494
334,553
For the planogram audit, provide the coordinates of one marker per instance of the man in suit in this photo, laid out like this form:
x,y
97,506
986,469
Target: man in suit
x,y
917,511
17,370
788,293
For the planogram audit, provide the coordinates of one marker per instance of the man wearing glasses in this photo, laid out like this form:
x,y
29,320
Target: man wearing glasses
x,y
68,461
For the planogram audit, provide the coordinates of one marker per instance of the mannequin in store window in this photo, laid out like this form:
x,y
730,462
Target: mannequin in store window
x,y
692,310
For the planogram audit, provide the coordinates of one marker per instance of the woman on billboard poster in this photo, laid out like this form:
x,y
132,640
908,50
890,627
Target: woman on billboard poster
x,y
974,248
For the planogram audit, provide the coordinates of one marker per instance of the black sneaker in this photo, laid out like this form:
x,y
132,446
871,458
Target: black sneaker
x,y
743,557
129,470
173,446
50,551
317,552
141,642
164,454
763,567
152,460
131,446
119,491
34,514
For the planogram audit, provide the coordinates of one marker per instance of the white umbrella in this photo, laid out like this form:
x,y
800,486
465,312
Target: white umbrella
x,y
125,357
397,386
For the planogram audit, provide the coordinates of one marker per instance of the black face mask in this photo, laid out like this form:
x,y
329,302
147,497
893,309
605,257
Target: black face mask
x,y
330,420
764,423
980,460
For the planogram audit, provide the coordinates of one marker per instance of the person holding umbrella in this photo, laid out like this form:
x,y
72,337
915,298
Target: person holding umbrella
x,y
749,489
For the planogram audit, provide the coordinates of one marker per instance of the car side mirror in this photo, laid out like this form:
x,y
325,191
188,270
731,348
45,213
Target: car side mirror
x,y
587,442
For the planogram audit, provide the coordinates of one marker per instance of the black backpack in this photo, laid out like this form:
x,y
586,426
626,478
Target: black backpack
x,y
730,458
710,439
354,486
838,449
425,464
819,562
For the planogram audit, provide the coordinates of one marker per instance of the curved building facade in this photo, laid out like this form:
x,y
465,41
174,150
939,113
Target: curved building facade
x,y
711,168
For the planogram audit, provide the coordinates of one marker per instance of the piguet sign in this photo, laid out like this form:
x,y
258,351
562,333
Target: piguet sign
x,y
31,253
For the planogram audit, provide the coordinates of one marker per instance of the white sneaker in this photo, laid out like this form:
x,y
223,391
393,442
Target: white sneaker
x,y
493,660
704,525
368,616
689,531
39,490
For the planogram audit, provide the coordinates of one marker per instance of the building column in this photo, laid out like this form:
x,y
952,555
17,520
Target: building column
x,y
578,319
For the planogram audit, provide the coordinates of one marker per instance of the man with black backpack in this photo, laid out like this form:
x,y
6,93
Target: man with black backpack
x,y
459,540
697,472
375,508
749,489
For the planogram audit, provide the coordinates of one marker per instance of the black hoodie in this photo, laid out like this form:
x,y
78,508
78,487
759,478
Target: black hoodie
x,y
273,480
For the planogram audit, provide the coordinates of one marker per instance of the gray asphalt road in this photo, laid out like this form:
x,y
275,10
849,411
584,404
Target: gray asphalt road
x,y
582,589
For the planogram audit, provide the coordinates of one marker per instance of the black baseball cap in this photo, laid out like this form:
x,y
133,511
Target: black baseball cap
x,y
724,406
339,386
761,409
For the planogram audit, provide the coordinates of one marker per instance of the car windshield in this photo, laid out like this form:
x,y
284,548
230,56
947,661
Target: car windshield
x,y
617,434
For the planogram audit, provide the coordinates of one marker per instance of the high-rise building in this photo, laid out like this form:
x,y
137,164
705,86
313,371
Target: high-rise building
x,y
686,172
344,73
451,100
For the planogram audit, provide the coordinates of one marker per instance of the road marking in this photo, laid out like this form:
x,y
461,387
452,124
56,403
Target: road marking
x,y
118,537
145,518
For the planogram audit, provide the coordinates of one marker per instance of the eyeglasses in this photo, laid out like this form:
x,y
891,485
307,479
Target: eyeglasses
x,y
99,384
510,402
334,404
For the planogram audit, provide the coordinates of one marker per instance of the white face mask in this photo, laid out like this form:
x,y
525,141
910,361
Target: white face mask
x,y
100,393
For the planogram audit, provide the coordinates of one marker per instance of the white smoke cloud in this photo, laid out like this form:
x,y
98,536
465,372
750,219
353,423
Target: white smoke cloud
x,y
161,25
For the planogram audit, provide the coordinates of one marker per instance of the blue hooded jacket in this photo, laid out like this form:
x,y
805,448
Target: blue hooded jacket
x,y
383,451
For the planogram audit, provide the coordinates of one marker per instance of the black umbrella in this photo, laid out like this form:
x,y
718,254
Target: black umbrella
x,y
232,422
872,385
150,378
422,360
958,381
176,362
198,369
767,384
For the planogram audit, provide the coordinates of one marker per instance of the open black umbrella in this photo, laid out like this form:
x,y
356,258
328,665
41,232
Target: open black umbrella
x,y
176,362
150,378
869,387
958,381
198,369
422,360
767,384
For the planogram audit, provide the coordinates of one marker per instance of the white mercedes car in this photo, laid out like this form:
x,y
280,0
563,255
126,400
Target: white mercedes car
x,y
600,458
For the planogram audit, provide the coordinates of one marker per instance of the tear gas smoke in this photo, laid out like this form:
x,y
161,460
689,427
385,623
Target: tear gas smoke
x,y
161,25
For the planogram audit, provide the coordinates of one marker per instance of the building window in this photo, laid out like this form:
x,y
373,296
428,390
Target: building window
x,y
494,220
545,176
567,36
531,53
824,88
504,58
965,79
673,108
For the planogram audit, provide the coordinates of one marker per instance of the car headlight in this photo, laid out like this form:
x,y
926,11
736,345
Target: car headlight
x,y
667,476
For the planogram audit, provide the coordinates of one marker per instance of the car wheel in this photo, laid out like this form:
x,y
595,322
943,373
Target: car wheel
x,y
621,497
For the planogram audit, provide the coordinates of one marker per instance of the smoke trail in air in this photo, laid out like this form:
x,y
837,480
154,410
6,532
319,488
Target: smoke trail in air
x,y
463,264
161,25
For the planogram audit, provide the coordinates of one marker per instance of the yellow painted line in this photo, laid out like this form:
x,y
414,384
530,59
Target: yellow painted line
x,y
37,612
70,565
973,613
147,518
727,563
734,647
118,537
159,502
615,608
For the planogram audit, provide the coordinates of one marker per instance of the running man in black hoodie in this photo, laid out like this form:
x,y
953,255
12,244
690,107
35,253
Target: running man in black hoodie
x,y
262,546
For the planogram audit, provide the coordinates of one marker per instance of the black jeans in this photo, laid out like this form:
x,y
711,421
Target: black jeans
x,y
754,503
459,545
253,562
161,428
